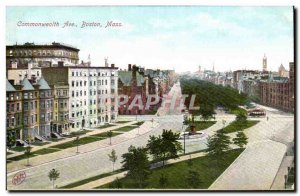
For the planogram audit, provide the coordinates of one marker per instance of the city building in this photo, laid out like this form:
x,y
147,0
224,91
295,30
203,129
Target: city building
x,y
42,55
92,93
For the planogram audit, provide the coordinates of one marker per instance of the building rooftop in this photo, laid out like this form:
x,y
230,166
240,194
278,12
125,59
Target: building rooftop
x,y
126,78
43,84
26,85
9,87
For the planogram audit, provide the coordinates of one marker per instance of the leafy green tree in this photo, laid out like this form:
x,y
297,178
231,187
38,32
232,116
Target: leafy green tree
x,y
241,139
28,153
241,117
113,158
137,163
193,179
109,134
53,175
76,142
163,180
116,184
207,111
165,146
11,140
218,144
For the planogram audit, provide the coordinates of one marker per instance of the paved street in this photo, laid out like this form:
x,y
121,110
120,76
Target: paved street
x,y
91,163
258,165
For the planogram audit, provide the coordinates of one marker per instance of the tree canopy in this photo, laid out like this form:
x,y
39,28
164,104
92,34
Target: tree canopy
x,y
137,163
209,95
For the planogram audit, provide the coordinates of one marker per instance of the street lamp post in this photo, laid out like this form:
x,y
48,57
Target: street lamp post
x,y
183,142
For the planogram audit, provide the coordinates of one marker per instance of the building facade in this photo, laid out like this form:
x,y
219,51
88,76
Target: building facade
x,y
92,93
42,55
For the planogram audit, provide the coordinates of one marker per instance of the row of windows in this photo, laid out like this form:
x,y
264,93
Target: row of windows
x,y
84,73
42,53
13,107
83,93
92,83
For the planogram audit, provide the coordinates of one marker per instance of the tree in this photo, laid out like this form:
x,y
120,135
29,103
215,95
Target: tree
x,y
165,146
241,139
206,111
193,179
109,134
28,153
11,140
76,141
116,184
113,158
218,144
241,117
137,163
53,175
163,180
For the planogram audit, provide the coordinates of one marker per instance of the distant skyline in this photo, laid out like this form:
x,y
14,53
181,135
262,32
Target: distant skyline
x,y
165,37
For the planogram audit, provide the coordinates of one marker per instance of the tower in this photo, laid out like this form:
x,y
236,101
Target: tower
x,y
89,60
265,63
106,61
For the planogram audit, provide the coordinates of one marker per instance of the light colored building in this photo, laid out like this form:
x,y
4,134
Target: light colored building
x,y
92,93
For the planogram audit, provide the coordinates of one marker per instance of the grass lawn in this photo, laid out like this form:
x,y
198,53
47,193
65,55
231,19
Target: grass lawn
x,y
81,182
106,126
45,151
40,143
236,126
124,121
209,170
139,123
84,140
20,157
18,149
125,129
77,133
201,125
104,134
55,139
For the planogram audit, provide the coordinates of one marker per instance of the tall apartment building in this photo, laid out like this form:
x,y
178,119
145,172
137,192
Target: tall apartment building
x,y
42,55
92,93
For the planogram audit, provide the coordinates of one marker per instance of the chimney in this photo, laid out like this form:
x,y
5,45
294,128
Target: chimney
x,y
129,67
112,65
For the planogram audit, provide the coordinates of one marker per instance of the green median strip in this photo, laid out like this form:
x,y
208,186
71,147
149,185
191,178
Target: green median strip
x,y
208,168
91,179
239,126
201,125
45,151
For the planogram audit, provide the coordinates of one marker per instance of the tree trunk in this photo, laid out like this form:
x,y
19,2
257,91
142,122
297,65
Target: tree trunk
x,y
28,161
113,167
53,184
110,141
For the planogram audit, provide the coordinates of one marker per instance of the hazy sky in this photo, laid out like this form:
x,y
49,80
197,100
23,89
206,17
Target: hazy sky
x,y
166,37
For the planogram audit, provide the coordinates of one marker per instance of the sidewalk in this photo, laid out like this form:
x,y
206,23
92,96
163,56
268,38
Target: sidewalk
x,y
111,178
71,152
96,131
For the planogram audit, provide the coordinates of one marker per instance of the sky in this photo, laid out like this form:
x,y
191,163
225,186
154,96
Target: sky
x,y
165,37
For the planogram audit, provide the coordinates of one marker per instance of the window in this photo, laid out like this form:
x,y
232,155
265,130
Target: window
x,y
11,96
25,95
25,106
73,83
18,106
12,107
72,93
72,73
42,104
